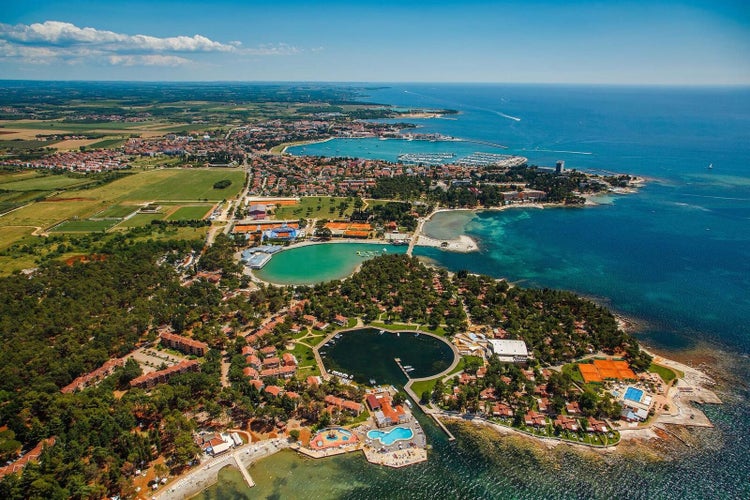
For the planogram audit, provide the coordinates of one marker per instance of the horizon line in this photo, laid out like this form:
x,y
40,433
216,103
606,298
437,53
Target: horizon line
x,y
392,82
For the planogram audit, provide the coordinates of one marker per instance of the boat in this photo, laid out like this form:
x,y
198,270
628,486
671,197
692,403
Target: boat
x,y
372,381
398,334
381,332
408,367
710,166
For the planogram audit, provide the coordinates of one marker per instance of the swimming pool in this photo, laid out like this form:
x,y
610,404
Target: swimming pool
x,y
634,394
390,437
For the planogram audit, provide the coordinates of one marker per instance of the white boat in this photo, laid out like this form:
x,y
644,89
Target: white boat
x,y
398,334
372,381
381,332
710,166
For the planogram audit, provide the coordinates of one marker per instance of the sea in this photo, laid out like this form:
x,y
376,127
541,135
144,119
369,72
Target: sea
x,y
674,257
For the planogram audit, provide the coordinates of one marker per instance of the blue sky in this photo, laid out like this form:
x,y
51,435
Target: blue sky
x,y
629,42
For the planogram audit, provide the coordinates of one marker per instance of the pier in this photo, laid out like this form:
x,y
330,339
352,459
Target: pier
x,y
243,470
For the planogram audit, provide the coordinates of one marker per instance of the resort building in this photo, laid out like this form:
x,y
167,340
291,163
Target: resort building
x,y
383,411
93,377
184,344
509,351
149,380
344,404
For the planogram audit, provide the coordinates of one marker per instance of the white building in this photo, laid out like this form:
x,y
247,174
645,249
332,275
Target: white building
x,y
509,351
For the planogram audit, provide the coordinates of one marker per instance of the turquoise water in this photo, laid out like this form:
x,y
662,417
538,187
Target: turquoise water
x,y
390,437
633,394
315,263
676,256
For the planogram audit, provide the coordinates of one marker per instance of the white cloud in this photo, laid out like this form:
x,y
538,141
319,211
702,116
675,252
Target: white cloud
x,y
147,60
60,34
52,41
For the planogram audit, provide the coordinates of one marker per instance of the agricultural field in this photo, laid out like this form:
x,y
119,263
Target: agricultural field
x,y
83,226
118,198
43,183
108,143
190,212
116,211
8,235
317,207
24,144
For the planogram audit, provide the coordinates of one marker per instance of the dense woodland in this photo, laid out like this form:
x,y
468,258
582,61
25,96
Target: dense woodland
x,y
65,320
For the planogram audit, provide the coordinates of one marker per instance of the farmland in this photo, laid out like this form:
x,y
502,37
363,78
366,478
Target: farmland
x,y
115,199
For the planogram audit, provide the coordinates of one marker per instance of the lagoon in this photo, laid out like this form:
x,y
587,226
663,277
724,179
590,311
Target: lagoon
x,y
311,264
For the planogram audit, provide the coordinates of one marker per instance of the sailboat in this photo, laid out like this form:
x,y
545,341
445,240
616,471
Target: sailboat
x,y
710,166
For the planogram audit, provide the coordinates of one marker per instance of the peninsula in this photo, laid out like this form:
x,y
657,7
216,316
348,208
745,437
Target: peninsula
x,y
142,354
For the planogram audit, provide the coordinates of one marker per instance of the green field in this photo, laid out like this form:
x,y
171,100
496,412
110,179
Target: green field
x,y
83,226
25,145
111,143
190,212
8,235
175,185
117,211
140,220
315,207
58,126
666,374
44,183
181,185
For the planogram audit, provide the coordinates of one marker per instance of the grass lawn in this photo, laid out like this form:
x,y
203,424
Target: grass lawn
x,y
190,212
43,183
117,211
139,220
317,207
8,235
666,374
304,355
178,184
83,226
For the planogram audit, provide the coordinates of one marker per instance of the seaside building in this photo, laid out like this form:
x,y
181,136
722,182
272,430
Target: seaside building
x,y
184,344
509,351
560,166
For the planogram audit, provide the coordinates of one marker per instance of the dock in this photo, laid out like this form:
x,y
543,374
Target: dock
x,y
243,470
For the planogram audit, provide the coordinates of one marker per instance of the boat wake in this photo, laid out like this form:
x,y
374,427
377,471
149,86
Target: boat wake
x,y
509,117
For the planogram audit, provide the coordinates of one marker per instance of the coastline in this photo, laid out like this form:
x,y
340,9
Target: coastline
x,y
206,474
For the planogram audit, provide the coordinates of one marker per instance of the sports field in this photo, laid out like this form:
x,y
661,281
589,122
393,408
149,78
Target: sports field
x,y
190,212
83,226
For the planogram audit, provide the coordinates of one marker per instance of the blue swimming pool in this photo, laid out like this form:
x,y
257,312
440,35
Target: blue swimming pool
x,y
634,394
390,437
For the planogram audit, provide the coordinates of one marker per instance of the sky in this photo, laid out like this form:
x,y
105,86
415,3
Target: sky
x,y
682,42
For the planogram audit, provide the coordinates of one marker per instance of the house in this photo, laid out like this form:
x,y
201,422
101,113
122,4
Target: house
x,y
501,410
273,362
94,377
254,361
250,372
273,390
566,423
488,394
573,408
257,383
341,320
268,351
314,381
597,425
534,419
288,359
344,404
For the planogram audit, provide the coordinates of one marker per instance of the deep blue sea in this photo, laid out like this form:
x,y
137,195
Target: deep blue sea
x,y
676,256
